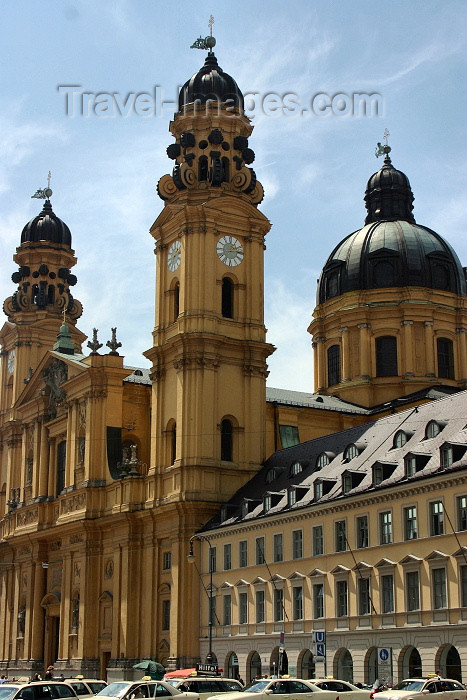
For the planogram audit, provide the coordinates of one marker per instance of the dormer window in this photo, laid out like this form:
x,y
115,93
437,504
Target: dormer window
x,y
267,502
244,509
382,471
350,452
271,475
450,453
295,469
414,463
350,480
433,429
291,497
321,487
324,459
400,438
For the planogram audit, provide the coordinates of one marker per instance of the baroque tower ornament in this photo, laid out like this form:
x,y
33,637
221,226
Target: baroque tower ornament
x,y
208,42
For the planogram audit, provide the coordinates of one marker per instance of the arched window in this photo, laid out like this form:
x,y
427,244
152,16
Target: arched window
x,y
400,438
227,297
226,440
445,358
334,365
350,452
173,443
61,463
203,168
176,301
386,356
322,460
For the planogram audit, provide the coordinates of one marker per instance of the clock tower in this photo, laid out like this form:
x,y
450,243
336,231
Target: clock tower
x,y
209,342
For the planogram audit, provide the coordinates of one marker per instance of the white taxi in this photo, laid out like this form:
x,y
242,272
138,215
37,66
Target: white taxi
x,y
419,688
282,689
346,690
132,690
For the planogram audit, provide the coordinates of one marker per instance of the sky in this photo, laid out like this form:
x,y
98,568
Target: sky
x,y
304,68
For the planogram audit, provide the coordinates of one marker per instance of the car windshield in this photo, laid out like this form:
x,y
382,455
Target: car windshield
x,y
96,686
114,690
173,681
409,685
256,687
7,690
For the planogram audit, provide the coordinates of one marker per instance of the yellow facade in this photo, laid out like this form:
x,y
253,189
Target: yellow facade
x,y
107,471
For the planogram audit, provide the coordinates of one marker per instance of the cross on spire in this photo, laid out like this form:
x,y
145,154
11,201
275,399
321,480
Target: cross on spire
x,y
384,150
208,42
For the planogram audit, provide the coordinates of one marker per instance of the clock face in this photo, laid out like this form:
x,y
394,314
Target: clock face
x,y
174,256
11,361
230,251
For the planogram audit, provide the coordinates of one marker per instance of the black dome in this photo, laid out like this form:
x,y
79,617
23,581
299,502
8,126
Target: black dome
x,y
388,195
391,250
210,83
46,227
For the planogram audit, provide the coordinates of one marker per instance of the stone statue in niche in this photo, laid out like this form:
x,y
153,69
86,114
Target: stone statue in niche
x,y
21,621
54,376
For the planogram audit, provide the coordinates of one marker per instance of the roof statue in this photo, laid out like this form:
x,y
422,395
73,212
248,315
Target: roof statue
x,y
381,150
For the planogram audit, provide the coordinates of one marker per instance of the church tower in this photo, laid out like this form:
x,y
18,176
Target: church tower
x,y
209,353
36,309
391,317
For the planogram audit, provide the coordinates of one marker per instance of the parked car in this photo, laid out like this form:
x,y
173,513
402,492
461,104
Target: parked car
x,y
86,687
128,690
207,686
286,688
37,690
346,690
418,688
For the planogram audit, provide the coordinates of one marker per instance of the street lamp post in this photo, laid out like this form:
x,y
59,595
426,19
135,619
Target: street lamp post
x,y
191,559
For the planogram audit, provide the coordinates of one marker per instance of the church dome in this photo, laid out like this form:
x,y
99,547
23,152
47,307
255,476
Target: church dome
x,y
46,227
210,83
391,250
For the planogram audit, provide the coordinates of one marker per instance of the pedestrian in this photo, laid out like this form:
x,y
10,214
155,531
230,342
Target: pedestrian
x,y
36,677
49,674
2,678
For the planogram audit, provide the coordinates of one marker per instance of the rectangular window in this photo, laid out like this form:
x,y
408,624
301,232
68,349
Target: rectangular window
x,y
385,527
227,605
410,523
227,557
166,615
447,456
297,602
242,608
410,466
212,559
167,560
259,549
297,544
278,548
413,591
260,606
436,518
387,585
318,600
462,512
377,475
340,536
318,541
278,604
243,553
463,579
362,532
439,589
364,596
341,598
289,435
